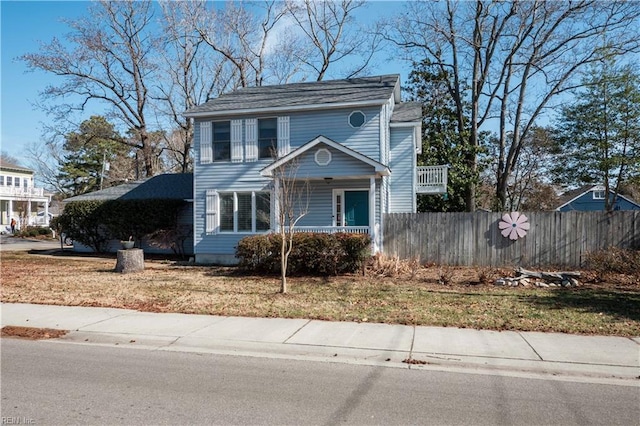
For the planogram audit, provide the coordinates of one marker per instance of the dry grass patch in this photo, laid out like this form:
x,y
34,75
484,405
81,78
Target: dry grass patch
x,y
402,295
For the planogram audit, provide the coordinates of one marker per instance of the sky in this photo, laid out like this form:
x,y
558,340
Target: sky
x,y
24,24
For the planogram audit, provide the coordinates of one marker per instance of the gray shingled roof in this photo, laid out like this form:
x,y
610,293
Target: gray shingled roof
x,y
407,112
299,95
570,195
177,186
10,166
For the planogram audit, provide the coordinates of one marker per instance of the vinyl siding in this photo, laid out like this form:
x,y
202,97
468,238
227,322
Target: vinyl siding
x,y
334,125
223,177
586,203
321,200
303,127
341,165
402,166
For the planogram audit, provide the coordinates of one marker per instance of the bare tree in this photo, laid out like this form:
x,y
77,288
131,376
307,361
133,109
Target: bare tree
x,y
111,61
330,35
241,35
531,176
291,205
5,157
191,76
509,60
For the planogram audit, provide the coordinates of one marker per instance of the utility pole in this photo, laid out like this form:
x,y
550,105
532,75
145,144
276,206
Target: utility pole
x,y
105,168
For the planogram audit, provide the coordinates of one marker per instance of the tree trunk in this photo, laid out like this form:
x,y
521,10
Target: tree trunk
x,y
283,265
130,261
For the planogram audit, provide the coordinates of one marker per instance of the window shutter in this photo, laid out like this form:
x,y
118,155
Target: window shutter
x,y
206,151
236,141
211,209
283,136
251,129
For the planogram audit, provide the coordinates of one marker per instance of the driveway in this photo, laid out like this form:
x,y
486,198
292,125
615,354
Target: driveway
x,y
9,243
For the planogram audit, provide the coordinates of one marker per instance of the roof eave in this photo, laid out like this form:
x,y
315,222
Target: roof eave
x,y
405,123
295,108
379,168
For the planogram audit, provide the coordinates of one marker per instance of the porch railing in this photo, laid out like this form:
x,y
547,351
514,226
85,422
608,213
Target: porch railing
x,y
431,179
332,229
21,191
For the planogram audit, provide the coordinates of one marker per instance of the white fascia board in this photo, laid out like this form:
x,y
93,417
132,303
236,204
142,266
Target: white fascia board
x,y
296,108
405,124
629,200
380,168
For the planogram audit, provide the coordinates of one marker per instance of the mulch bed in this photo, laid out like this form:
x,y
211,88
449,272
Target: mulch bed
x,y
31,333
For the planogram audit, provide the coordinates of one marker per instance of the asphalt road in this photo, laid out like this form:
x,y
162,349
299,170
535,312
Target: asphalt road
x,y
9,243
60,383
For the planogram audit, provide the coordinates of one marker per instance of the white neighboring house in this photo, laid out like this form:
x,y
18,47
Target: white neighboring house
x,y
20,199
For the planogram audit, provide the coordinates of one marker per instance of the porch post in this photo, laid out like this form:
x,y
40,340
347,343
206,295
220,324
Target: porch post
x,y
46,212
10,211
372,213
276,203
29,218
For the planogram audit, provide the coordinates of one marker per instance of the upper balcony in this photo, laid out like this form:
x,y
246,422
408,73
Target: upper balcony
x,y
431,179
21,192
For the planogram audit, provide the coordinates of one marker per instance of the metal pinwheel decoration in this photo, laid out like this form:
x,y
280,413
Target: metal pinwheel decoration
x,y
514,225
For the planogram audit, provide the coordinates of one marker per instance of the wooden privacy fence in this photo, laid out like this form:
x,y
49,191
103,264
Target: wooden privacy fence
x,y
474,239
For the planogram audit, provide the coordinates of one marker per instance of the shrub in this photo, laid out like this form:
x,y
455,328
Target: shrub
x,y
614,260
94,223
312,253
34,231
83,221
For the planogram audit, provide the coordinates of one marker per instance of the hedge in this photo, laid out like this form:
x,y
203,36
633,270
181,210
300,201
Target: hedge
x,y
312,253
95,223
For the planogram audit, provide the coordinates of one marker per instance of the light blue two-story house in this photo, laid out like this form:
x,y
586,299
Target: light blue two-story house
x,y
350,144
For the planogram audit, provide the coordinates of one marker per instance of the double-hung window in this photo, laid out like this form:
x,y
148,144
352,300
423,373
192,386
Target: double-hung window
x,y
243,211
267,137
221,140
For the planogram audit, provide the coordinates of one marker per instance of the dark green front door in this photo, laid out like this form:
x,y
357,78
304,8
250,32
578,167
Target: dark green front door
x,y
356,208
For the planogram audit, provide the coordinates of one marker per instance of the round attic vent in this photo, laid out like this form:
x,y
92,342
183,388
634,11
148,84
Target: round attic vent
x,y
323,157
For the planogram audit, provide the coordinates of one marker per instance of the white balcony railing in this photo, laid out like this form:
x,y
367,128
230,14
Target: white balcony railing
x,y
332,229
431,179
21,191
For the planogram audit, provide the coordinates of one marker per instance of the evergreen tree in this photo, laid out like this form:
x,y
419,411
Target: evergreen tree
x,y
597,138
88,151
442,142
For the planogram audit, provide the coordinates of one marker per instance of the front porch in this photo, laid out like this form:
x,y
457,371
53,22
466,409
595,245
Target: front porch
x,y
28,206
331,229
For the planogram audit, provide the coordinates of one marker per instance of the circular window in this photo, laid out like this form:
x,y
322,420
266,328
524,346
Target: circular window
x,y
323,157
356,119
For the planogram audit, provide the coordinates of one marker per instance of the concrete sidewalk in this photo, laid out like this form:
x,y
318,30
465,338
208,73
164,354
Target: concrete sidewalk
x,y
591,358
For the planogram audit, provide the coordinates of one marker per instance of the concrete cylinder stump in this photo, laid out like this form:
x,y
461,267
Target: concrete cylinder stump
x,y
130,261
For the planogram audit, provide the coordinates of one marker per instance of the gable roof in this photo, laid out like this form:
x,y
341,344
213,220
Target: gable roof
x,y
5,165
379,168
570,196
360,91
177,186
